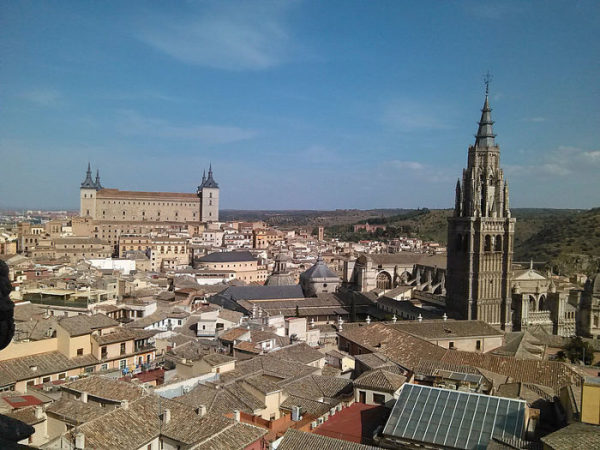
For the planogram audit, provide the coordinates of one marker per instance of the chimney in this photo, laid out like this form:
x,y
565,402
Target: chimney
x,y
445,317
80,441
39,412
125,404
420,318
394,319
201,410
368,320
84,397
236,415
166,416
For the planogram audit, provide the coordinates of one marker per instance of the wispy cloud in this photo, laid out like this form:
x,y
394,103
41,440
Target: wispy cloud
x,y
42,96
561,162
410,116
534,119
223,35
132,123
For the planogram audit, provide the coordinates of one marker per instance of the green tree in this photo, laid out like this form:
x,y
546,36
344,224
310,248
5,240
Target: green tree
x,y
579,350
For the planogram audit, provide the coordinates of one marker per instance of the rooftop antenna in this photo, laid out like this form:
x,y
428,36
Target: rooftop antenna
x,y
487,79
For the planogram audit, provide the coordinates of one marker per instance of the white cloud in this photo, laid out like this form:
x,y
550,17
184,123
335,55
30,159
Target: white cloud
x,y
224,35
561,162
414,165
132,123
534,119
42,96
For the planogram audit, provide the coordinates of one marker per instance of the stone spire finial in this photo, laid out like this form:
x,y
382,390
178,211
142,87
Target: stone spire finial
x,y
88,182
97,183
485,133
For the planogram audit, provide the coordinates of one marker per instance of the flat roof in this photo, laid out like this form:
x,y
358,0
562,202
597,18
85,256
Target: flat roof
x,y
454,419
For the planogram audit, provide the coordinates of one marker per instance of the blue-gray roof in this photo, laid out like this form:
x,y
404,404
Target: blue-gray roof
x,y
262,292
227,257
319,270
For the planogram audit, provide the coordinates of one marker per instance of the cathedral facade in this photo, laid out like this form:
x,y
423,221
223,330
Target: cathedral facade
x,y
101,204
480,235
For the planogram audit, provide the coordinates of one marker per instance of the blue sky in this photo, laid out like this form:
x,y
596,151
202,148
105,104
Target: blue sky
x,y
298,104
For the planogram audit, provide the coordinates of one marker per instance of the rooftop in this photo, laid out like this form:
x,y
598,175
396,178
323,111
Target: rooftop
x,y
84,324
447,329
300,440
106,388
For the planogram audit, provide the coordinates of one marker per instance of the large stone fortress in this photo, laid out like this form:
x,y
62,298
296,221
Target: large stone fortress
x,y
102,204
480,235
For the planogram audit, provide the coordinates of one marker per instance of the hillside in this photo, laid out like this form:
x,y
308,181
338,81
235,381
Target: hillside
x,y
568,242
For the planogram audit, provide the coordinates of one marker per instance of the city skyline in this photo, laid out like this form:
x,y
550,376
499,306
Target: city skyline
x,y
375,111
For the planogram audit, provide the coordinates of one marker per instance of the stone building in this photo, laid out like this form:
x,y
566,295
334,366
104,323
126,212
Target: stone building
x,y
480,235
589,309
100,203
537,303
281,276
319,279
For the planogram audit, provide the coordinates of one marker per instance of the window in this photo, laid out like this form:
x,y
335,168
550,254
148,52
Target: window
x,y
46,380
122,348
103,352
451,345
122,364
478,345
62,376
79,351
379,399
104,366
90,369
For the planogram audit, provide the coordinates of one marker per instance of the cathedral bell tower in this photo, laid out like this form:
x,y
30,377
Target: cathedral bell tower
x,y
480,235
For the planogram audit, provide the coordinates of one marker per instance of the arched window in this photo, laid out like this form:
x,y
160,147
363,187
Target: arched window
x,y
487,243
531,303
384,280
498,243
542,303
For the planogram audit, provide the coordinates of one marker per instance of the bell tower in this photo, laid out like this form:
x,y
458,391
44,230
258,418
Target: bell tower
x,y
208,192
480,234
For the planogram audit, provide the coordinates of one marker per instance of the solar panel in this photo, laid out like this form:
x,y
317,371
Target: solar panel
x,y
453,418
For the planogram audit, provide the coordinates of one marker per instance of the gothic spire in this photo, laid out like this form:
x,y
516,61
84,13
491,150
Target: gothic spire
x,y
98,185
88,182
203,177
210,181
485,133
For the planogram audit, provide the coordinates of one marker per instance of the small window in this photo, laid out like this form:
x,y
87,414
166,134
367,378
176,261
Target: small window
x,y
79,351
478,345
451,345
379,399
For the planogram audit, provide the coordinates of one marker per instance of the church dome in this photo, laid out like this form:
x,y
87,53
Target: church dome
x,y
319,271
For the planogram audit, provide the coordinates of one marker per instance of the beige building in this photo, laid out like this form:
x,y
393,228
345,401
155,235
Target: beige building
x,y
75,248
165,252
99,203
244,265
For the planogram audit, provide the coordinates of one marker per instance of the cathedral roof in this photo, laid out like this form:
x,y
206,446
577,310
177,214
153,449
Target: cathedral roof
x,y
319,270
485,133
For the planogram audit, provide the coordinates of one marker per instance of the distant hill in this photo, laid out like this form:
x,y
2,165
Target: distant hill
x,y
568,242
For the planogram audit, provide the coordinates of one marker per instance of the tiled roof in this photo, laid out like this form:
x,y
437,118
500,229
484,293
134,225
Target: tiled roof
x,y
263,384
76,411
106,388
408,351
123,334
222,400
33,366
405,258
140,423
116,193
301,440
299,352
380,380
574,436
233,333
319,386
307,406
446,329
26,415
84,324
237,436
